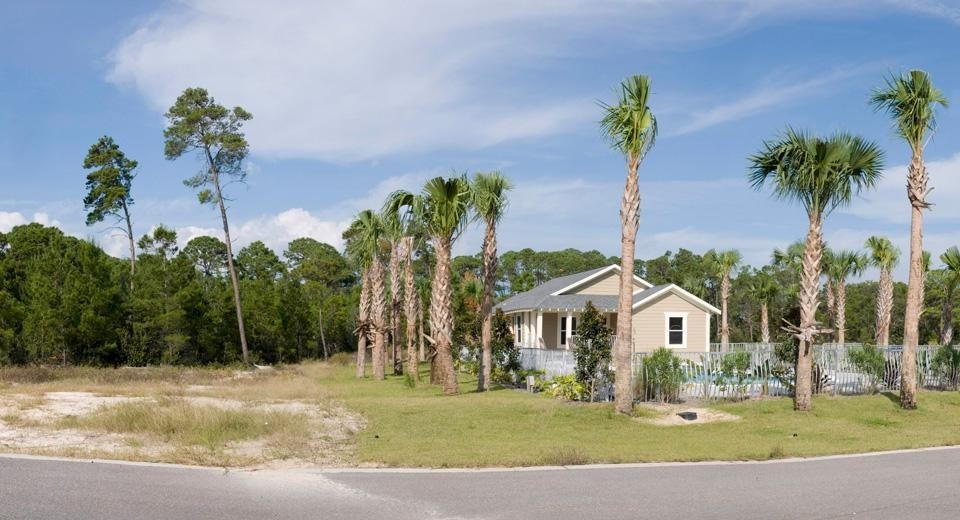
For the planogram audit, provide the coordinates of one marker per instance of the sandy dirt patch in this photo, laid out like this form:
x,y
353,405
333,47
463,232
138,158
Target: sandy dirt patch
x,y
667,415
33,424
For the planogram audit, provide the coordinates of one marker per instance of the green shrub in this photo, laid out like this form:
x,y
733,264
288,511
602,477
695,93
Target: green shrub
x,y
565,387
869,360
660,377
592,350
734,373
946,364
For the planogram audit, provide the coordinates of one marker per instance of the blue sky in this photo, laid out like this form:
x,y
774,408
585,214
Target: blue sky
x,y
352,102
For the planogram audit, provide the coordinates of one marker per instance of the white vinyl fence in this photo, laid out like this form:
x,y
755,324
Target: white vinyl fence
x,y
755,370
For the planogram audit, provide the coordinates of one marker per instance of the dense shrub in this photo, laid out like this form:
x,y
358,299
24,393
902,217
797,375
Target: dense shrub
x,y
564,387
592,352
660,377
869,360
946,365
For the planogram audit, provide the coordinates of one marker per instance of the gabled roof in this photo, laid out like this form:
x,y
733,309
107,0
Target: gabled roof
x,y
550,294
598,273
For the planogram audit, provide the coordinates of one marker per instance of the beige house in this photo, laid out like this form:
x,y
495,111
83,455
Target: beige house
x,y
663,315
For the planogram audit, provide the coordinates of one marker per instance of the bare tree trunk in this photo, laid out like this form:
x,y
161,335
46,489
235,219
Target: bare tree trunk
x,y
623,348
809,281
378,309
395,309
233,270
133,249
916,193
363,315
764,323
830,294
413,364
489,275
840,320
323,339
946,319
441,316
884,307
724,317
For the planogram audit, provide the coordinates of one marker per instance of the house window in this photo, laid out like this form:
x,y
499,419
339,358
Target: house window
x,y
563,330
676,329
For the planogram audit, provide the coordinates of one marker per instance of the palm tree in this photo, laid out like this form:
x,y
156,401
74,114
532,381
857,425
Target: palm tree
x,y
840,266
360,255
884,256
444,207
764,289
366,237
820,174
402,205
489,192
910,100
950,280
722,263
632,129
393,234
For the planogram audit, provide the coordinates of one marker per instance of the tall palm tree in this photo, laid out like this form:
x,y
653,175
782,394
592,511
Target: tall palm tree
x,y
910,100
950,280
722,263
402,204
632,129
444,207
489,192
393,234
358,252
366,237
764,289
840,266
884,256
820,174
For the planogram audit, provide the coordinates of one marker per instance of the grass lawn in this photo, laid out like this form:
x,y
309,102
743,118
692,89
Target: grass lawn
x,y
419,427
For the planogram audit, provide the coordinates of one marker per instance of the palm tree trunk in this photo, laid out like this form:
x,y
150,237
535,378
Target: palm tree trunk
x,y
410,309
486,330
395,310
840,319
363,315
232,268
830,295
378,309
884,307
724,317
764,323
623,348
809,282
421,346
916,192
441,315
946,319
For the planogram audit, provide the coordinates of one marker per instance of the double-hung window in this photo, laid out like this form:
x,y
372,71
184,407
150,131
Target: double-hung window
x,y
675,324
518,328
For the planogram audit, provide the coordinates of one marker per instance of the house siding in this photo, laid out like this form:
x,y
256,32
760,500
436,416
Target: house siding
x,y
649,327
607,285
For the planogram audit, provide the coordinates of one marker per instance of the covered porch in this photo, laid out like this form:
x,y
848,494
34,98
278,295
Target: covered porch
x,y
549,328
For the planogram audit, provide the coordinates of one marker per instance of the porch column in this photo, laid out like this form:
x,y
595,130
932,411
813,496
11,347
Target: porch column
x,y
539,332
569,328
529,332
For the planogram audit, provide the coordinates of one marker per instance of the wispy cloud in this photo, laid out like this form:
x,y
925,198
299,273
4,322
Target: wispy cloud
x,y
950,13
764,97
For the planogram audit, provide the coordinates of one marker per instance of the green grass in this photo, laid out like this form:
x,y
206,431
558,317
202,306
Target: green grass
x,y
419,427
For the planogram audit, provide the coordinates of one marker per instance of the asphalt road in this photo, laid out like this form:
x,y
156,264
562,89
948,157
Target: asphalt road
x,y
907,485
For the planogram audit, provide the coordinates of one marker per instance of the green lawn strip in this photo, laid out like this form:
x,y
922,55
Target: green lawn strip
x,y
419,427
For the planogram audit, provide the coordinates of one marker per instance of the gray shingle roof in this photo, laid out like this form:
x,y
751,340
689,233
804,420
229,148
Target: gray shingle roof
x,y
540,297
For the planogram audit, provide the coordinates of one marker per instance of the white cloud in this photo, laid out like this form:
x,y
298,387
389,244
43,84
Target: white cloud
x,y
950,13
11,219
889,201
763,98
366,79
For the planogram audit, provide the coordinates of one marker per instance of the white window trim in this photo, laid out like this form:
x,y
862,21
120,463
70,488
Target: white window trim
x,y
666,328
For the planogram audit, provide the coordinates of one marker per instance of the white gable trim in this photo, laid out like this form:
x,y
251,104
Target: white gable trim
x,y
679,291
598,274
